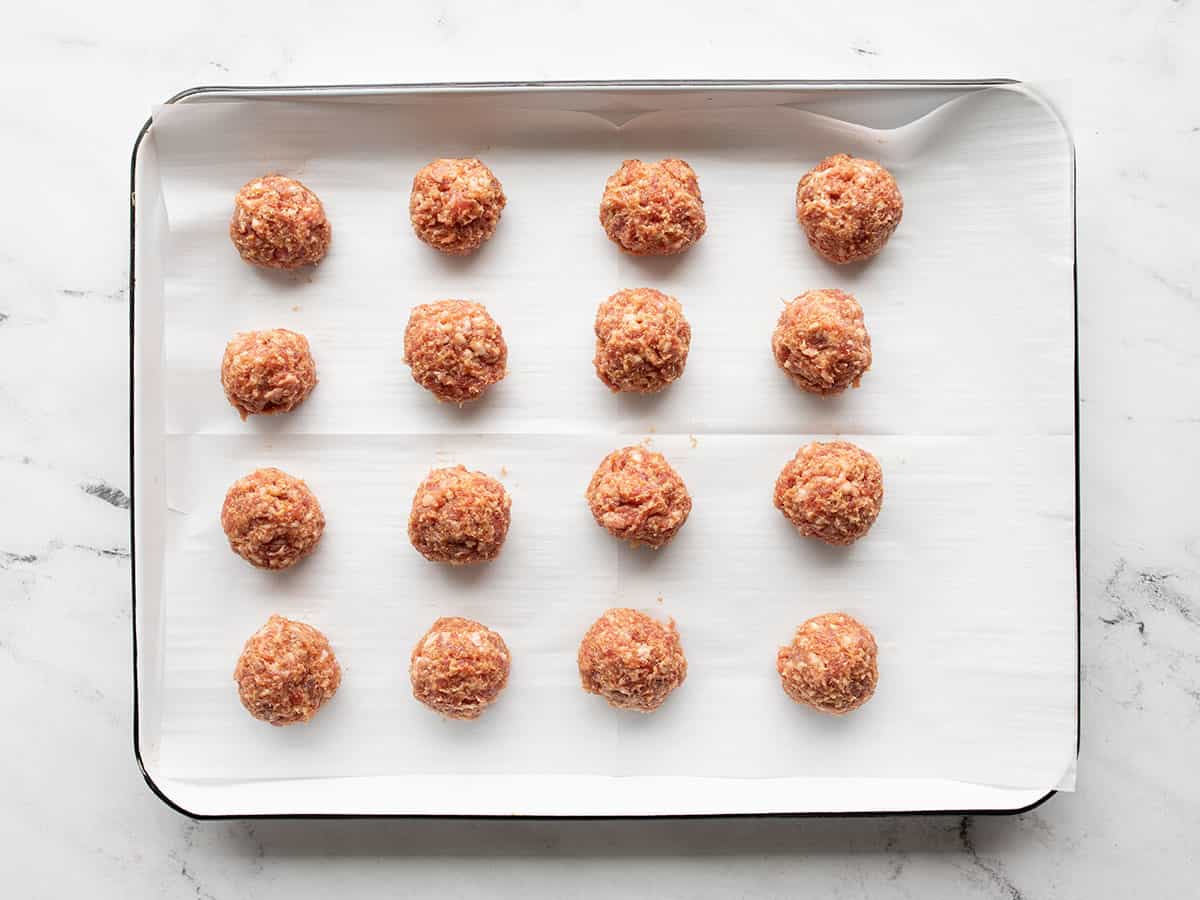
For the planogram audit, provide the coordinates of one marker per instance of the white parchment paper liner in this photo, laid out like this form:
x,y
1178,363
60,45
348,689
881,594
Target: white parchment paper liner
x,y
967,578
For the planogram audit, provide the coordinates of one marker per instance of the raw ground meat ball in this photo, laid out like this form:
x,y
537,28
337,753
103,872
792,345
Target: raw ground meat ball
x,y
455,349
830,664
267,372
459,517
459,668
272,519
822,343
638,497
848,207
455,204
631,660
279,223
832,491
642,340
653,209
286,672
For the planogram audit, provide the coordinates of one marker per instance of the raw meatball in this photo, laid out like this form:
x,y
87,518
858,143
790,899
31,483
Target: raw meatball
x,y
459,517
848,207
459,668
638,497
642,340
822,343
653,209
286,672
631,660
830,664
832,491
455,348
267,372
455,204
279,223
272,519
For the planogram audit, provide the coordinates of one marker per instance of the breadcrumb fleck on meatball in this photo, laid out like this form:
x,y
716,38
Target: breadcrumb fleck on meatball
x,y
848,207
455,205
642,340
267,372
831,491
272,519
653,209
638,497
830,664
279,223
459,667
631,660
459,517
821,342
286,672
455,349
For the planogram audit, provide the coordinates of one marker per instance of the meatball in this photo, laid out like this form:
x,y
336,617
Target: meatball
x,y
459,517
832,491
279,223
638,497
822,343
631,660
267,372
830,664
848,208
653,209
286,672
459,668
272,519
642,340
455,349
455,205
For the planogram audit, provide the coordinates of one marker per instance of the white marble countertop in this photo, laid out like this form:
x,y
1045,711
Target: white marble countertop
x,y
76,817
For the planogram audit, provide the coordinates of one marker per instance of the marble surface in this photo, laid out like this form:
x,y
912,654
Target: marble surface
x,y
76,816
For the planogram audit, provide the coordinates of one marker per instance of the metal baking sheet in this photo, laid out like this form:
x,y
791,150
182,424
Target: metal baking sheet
x,y
968,579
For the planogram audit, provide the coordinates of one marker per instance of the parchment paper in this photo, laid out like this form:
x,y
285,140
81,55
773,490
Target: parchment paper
x,y
967,578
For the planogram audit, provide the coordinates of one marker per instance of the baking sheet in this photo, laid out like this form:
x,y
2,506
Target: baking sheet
x,y
967,578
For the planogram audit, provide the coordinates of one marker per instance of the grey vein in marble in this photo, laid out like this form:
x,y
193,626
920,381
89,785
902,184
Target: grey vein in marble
x,y
108,552
7,558
993,872
1154,588
117,295
107,493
